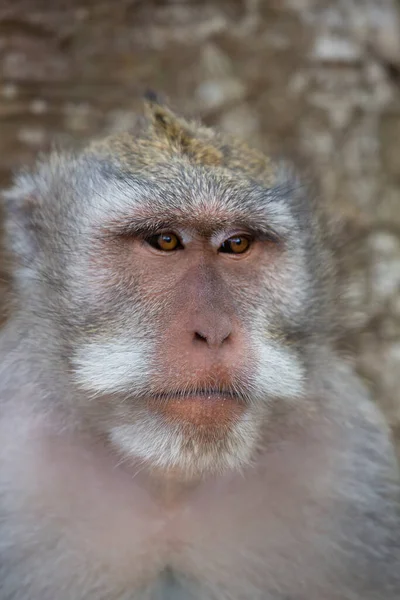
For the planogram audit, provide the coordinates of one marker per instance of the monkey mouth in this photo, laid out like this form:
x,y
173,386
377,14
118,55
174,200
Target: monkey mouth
x,y
201,407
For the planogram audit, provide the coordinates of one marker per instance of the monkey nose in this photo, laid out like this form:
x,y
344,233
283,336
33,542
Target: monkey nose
x,y
213,335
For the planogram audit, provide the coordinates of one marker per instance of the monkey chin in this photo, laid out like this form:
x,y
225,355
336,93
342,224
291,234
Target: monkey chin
x,y
190,437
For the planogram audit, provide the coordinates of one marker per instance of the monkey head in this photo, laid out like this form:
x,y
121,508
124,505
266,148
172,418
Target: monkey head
x,y
186,284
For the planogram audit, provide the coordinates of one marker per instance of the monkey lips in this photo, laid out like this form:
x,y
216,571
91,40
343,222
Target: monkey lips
x,y
201,409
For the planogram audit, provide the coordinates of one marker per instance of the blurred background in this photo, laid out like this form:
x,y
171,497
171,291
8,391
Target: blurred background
x,y
317,81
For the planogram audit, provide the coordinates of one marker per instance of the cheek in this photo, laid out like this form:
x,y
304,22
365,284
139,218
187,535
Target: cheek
x,y
279,369
118,293
280,372
122,314
111,366
121,273
287,289
110,272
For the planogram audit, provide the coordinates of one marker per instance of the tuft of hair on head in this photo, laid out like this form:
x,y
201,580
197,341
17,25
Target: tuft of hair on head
x,y
204,146
162,136
191,140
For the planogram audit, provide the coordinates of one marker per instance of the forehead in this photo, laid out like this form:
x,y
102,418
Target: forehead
x,y
198,196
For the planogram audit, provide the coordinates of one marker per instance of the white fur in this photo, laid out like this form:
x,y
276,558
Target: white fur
x,y
110,366
165,446
280,372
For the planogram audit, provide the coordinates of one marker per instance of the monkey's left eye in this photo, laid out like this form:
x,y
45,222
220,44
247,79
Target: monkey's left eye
x,y
237,244
166,242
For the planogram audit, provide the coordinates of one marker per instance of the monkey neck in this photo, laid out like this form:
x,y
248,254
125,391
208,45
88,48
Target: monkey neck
x,y
171,486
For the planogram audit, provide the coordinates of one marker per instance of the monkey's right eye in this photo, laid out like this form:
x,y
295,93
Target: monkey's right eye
x,y
166,242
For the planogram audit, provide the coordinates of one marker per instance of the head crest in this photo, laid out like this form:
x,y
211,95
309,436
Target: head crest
x,y
181,135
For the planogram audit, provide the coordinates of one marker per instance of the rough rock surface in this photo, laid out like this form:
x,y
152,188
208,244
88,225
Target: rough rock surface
x,y
316,81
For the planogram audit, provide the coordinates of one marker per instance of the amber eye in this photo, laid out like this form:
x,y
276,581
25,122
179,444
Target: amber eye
x,y
235,245
167,242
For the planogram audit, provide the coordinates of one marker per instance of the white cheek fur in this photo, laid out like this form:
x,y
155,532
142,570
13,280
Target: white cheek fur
x,y
111,367
280,372
117,366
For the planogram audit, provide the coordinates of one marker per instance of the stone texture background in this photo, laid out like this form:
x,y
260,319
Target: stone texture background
x,y
317,81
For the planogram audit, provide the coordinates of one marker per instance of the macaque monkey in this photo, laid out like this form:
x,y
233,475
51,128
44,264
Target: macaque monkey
x,y
174,421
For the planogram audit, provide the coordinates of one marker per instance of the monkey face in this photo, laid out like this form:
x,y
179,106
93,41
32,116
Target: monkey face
x,y
185,297
191,293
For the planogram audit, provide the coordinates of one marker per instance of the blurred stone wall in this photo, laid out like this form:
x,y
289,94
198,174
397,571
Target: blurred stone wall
x,y
317,81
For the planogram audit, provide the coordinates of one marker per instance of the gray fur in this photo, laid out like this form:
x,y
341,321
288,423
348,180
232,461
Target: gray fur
x,y
303,504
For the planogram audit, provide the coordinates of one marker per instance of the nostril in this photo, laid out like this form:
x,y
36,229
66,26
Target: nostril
x,y
200,337
212,339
